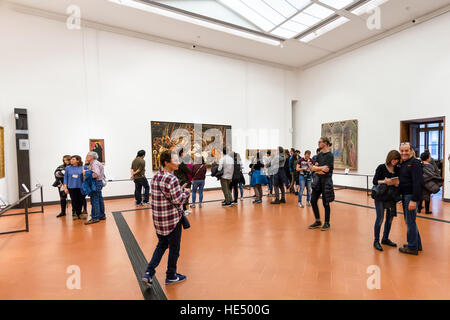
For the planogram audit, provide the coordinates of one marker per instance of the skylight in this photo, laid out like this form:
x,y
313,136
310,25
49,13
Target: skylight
x,y
337,4
269,21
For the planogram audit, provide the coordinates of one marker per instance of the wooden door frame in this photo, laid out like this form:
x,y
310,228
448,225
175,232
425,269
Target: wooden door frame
x,y
433,119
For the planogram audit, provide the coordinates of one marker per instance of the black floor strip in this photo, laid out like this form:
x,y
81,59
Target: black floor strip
x,y
137,259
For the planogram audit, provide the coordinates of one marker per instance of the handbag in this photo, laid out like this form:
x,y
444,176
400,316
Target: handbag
x,y
184,220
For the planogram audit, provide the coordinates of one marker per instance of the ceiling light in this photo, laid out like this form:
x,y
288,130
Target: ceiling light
x,y
306,19
337,4
199,22
328,27
369,6
299,4
318,11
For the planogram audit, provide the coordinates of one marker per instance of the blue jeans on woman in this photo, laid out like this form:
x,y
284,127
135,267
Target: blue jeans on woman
x,y
302,183
412,232
270,178
197,184
379,207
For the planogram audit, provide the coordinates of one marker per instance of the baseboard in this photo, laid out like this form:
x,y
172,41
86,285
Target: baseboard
x,y
446,200
351,188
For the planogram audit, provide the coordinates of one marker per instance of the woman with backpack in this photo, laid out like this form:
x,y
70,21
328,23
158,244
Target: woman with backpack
x,y
258,179
386,178
432,181
198,182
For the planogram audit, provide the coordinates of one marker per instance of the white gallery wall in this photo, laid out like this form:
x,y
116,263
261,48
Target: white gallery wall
x,y
403,77
86,83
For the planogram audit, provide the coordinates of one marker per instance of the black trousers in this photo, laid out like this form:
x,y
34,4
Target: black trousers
x,y
63,201
315,195
138,185
171,241
77,200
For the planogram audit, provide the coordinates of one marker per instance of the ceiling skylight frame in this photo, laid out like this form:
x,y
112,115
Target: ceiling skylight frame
x,y
198,19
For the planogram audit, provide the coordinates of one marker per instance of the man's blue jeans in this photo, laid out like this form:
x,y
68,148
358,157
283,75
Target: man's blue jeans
x,y
412,232
197,184
302,183
97,203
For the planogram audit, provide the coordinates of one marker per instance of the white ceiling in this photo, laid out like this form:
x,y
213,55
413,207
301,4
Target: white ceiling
x,y
293,53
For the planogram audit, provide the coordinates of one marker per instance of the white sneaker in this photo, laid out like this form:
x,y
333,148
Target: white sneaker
x,y
192,205
242,199
199,205
300,205
187,212
308,203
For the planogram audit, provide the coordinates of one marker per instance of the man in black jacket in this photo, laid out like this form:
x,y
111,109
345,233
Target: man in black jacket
x,y
411,182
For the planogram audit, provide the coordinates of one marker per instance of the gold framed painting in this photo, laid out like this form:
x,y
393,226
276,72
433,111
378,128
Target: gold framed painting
x,y
202,139
98,145
344,138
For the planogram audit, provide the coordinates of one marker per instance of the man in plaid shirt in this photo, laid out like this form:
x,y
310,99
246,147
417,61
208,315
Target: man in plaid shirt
x,y
167,200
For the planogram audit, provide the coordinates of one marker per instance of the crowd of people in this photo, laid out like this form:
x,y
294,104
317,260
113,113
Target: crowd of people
x,y
402,178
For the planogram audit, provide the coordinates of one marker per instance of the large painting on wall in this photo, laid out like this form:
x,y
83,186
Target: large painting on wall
x,y
344,137
204,140
98,145
2,152
250,153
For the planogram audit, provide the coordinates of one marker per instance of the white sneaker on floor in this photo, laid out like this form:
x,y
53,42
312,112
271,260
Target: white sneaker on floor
x,y
192,205
199,205
308,204
300,205
187,212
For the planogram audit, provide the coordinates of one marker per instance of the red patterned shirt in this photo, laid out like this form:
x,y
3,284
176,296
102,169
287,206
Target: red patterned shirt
x,y
167,201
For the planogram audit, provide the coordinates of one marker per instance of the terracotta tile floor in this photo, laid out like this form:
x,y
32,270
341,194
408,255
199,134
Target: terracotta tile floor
x,y
244,252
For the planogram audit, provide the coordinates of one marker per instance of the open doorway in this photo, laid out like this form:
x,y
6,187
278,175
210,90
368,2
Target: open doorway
x,y
426,134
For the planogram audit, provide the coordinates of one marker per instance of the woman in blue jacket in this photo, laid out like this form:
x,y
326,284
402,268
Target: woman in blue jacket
x,y
73,179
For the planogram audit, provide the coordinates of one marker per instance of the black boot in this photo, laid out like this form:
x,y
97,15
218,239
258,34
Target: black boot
x,y
62,214
377,245
276,201
388,243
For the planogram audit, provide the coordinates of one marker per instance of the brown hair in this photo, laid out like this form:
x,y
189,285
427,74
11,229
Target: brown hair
x,y
78,158
166,156
67,156
392,155
307,152
326,141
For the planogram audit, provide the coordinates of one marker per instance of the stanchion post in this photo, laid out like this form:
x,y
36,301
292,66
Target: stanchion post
x,y
367,185
26,217
42,200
